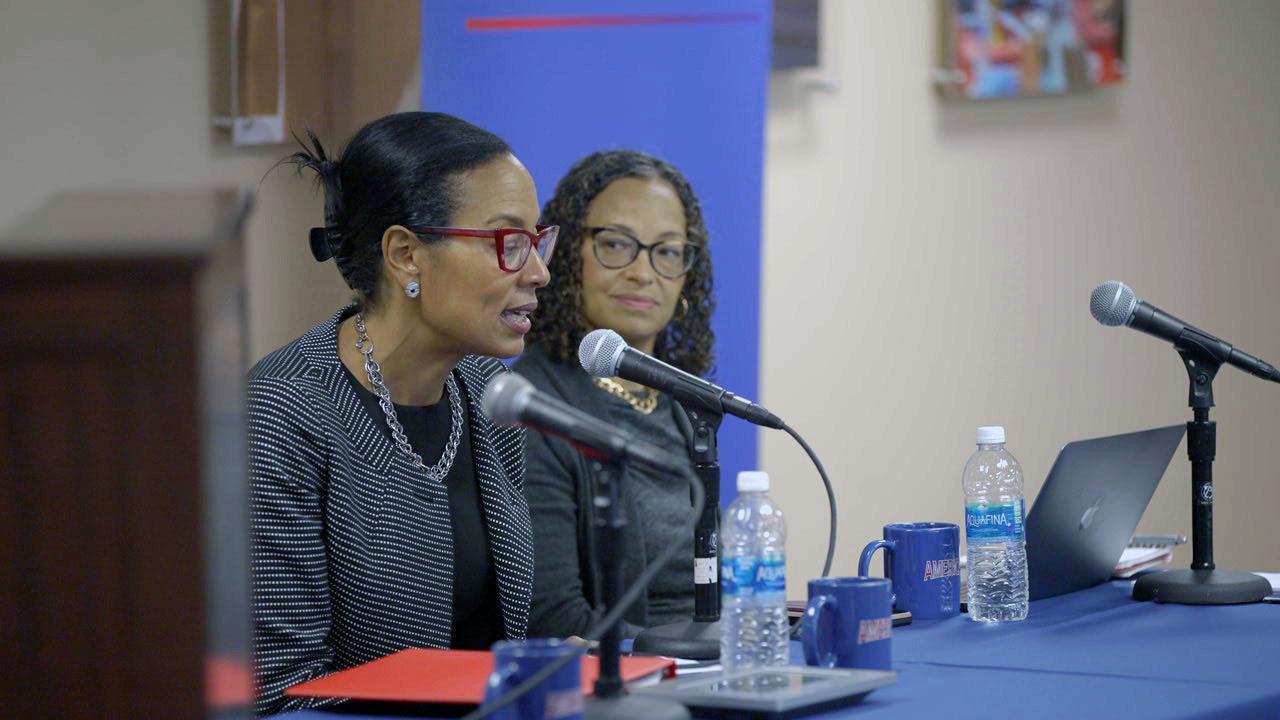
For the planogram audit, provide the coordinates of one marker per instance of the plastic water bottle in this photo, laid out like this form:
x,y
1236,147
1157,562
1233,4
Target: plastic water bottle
x,y
997,546
753,579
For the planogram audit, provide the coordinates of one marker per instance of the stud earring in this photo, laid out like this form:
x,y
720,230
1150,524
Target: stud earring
x,y
413,289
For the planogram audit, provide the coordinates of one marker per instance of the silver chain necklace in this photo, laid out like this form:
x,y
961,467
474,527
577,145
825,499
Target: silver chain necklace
x,y
374,370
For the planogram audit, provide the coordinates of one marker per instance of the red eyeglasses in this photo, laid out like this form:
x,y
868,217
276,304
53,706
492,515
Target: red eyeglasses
x,y
511,245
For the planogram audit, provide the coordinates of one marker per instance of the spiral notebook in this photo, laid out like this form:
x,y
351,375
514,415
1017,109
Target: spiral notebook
x,y
1145,552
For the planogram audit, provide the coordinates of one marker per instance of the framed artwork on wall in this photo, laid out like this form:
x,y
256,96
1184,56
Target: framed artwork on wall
x,y
994,49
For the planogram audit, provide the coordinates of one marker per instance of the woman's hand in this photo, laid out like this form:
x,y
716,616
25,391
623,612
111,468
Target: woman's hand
x,y
575,640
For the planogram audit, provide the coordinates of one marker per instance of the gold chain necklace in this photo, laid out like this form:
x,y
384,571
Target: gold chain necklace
x,y
643,406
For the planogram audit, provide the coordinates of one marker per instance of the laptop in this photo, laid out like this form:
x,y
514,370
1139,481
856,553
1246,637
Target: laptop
x,y
1090,505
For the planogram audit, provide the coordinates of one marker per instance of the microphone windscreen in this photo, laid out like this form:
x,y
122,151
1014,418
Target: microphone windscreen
x,y
505,398
599,352
1113,303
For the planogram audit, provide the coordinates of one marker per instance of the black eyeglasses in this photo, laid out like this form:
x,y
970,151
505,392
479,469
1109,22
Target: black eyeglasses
x,y
616,249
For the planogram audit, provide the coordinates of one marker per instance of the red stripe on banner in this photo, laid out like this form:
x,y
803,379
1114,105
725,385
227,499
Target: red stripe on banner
x,y
591,21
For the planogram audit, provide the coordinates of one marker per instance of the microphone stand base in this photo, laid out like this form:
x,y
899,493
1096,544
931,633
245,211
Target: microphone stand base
x,y
631,707
691,639
1201,587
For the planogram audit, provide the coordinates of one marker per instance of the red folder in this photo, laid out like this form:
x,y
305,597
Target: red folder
x,y
446,677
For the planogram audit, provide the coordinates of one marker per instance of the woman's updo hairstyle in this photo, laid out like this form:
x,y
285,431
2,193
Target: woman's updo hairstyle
x,y
398,170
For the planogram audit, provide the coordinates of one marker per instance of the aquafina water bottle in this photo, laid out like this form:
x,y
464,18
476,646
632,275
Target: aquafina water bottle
x,y
994,532
753,580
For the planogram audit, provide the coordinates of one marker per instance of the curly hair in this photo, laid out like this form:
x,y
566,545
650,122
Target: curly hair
x,y
688,341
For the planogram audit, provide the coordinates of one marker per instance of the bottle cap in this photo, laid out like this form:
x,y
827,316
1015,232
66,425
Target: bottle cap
x,y
753,481
991,435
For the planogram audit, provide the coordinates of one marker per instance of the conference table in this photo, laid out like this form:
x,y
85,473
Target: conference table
x,y
1096,653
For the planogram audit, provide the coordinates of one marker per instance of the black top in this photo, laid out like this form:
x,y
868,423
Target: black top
x,y
663,503
558,485
477,620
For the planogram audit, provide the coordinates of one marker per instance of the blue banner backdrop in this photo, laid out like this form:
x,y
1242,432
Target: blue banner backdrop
x,y
686,80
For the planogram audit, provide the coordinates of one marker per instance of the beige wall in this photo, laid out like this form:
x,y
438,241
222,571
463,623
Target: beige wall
x,y
927,268
97,94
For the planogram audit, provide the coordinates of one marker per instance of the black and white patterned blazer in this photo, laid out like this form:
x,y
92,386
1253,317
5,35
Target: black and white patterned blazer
x,y
352,554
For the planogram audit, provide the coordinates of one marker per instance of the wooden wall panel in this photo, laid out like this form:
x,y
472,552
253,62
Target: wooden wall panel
x,y
103,598
346,63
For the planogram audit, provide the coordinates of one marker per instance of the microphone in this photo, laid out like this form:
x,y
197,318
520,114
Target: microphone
x,y
1114,303
511,400
603,353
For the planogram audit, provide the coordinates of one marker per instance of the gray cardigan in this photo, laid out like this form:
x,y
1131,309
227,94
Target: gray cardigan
x,y
558,486
352,554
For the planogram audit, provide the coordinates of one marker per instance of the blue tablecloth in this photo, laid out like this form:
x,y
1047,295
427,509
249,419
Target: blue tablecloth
x,y
1091,654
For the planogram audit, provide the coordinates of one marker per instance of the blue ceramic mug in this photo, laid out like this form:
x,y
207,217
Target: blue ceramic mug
x,y
923,561
559,697
848,623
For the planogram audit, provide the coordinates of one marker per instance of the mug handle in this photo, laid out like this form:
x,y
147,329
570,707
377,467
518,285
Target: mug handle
x,y
500,681
864,562
814,652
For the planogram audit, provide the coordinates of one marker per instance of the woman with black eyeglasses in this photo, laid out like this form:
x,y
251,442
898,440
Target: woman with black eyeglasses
x,y
636,262
386,510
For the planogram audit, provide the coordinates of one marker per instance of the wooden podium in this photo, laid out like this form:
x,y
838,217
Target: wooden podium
x,y
123,514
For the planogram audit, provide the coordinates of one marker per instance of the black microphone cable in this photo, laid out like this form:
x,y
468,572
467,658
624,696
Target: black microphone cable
x,y
615,613
831,496
831,506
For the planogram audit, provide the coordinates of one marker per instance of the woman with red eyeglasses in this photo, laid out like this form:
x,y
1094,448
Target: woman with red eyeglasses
x,y
386,510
